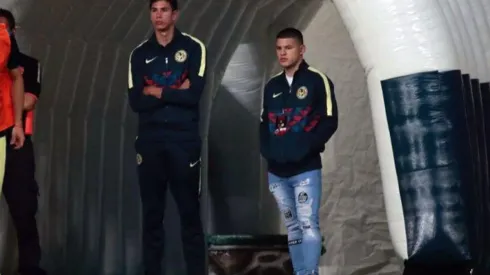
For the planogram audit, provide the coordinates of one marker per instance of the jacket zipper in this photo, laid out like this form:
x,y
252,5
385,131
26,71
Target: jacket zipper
x,y
285,99
166,70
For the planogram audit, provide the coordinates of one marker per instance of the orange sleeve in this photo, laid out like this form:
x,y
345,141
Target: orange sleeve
x,y
4,46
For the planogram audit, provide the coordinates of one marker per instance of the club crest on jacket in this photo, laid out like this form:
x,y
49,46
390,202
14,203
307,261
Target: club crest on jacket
x,y
180,56
302,92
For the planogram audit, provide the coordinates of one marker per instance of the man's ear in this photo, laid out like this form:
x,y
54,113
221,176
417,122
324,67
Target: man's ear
x,y
302,49
175,15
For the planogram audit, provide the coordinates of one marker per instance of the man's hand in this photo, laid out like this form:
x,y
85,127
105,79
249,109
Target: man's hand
x,y
29,102
157,92
18,137
153,91
185,85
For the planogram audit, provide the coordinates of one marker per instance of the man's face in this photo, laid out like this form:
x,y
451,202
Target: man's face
x,y
289,51
162,16
4,20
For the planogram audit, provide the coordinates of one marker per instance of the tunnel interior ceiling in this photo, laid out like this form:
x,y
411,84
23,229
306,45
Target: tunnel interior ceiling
x,y
89,212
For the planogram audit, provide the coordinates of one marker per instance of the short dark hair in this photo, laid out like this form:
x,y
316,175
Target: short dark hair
x,y
9,16
173,3
291,33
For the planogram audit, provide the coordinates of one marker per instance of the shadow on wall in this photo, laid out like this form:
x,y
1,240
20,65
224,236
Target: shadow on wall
x,y
235,196
89,209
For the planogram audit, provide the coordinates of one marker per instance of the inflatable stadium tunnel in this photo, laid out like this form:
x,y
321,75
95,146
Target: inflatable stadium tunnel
x,y
406,180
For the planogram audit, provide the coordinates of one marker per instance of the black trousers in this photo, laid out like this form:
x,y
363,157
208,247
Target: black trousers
x,y
175,167
21,193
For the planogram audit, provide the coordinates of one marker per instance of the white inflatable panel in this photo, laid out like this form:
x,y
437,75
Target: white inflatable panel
x,y
395,38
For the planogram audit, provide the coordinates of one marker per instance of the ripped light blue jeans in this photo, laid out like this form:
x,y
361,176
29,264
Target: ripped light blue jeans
x,y
298,198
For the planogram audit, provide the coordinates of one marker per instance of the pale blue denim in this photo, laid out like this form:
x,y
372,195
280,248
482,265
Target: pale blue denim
x,y
298,198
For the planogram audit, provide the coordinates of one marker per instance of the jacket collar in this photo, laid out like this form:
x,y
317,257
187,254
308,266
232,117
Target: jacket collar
x,y
303,66
177,36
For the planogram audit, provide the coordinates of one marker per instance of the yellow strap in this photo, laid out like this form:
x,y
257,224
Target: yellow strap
x,y
328,95
3,156
202,66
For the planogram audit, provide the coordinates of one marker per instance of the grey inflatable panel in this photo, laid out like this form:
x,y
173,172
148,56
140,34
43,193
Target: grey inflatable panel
x,y
89,217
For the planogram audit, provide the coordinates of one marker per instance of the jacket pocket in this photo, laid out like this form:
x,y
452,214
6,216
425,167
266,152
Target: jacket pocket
x,y
296,147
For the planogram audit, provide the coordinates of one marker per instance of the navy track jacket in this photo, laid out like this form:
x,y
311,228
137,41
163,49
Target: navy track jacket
x,y
175,116
297,121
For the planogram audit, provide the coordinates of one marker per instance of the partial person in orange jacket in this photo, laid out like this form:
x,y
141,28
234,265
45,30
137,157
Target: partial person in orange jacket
x,y
11,87
20,187
11,96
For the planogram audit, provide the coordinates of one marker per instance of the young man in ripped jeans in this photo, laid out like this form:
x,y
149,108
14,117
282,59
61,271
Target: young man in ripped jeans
x,y
299,116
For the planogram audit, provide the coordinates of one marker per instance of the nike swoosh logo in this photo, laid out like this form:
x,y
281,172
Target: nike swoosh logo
x,y
276,95
150,60
194,163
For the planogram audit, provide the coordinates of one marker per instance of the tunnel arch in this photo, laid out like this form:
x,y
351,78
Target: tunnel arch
x,y
83,46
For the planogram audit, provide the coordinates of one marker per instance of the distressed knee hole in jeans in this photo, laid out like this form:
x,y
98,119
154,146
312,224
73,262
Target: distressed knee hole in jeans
x,y
305,225
273,186
305,210
310,230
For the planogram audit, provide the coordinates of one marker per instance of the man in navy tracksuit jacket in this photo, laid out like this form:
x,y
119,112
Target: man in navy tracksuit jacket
x,y
299,116
166,80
